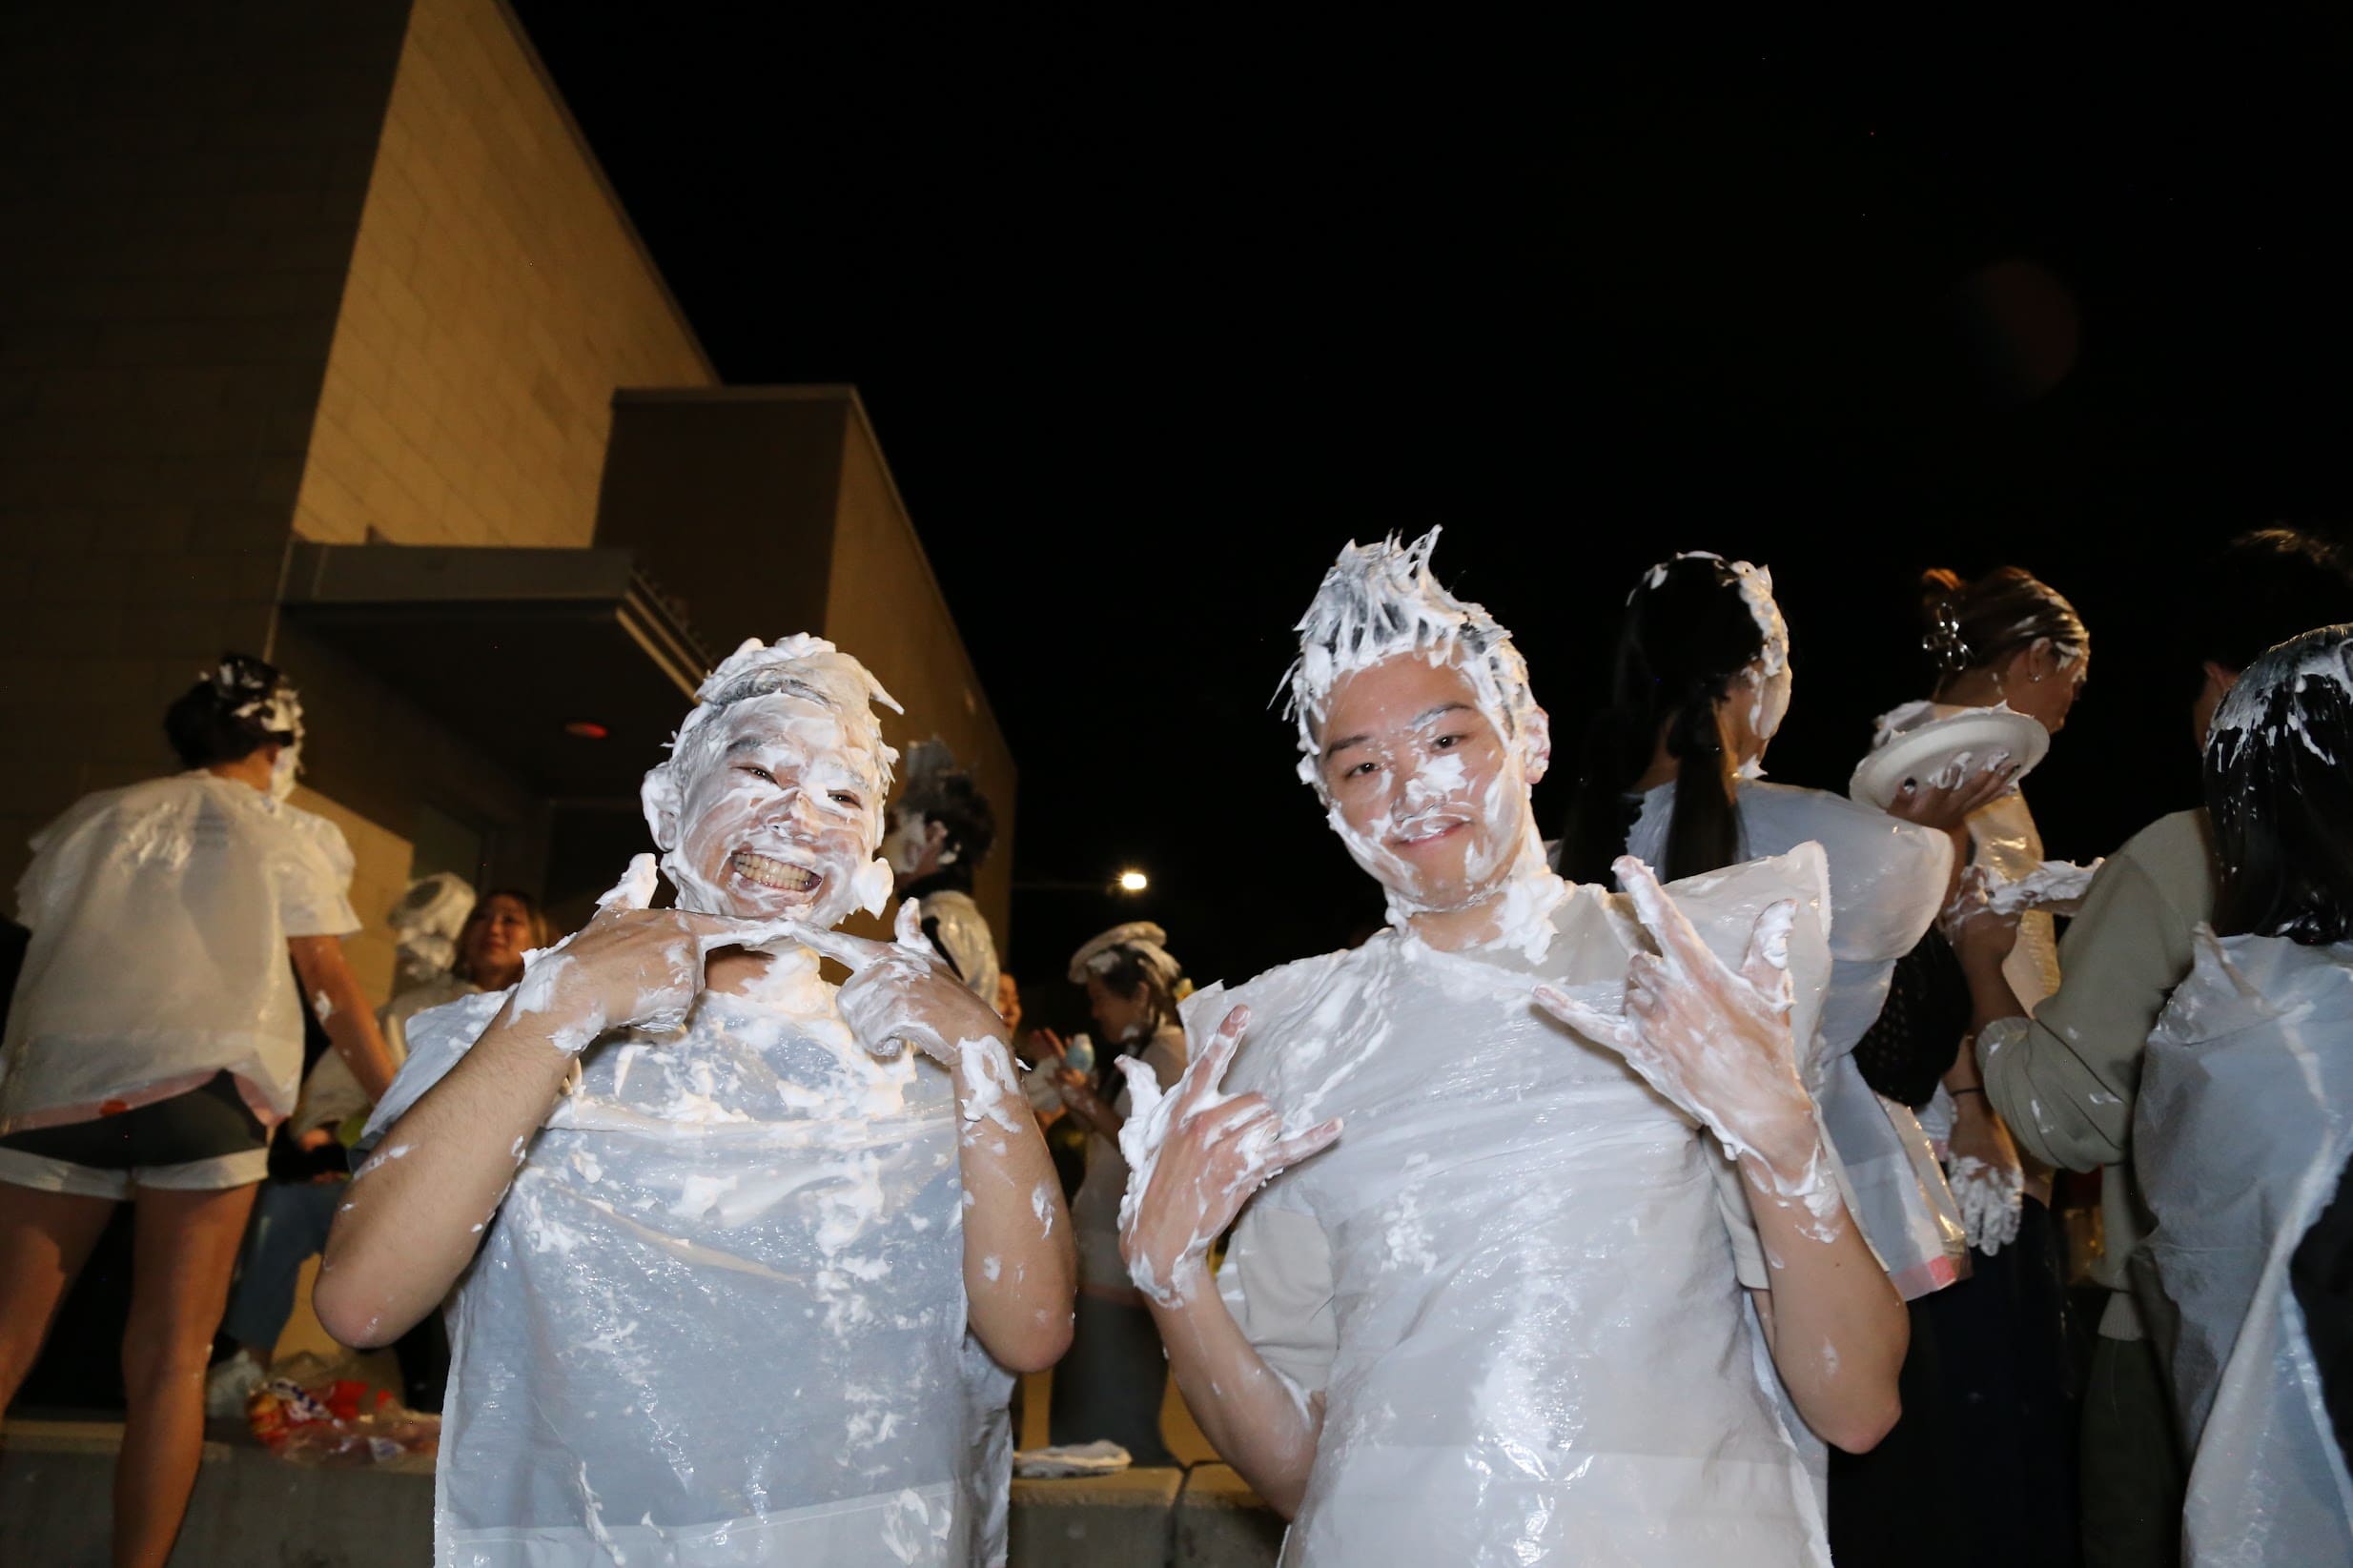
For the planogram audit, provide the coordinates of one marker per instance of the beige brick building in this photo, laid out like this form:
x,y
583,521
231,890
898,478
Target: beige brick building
x,y
312,319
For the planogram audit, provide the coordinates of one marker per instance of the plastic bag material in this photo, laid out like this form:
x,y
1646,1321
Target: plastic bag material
x,y
306,1414
1526,1320
159,915
720,1317
960,931
2243,1123
1887,882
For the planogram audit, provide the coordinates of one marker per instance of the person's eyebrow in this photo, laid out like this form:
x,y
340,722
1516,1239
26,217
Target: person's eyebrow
x,y
745,742
1337,746
1440,711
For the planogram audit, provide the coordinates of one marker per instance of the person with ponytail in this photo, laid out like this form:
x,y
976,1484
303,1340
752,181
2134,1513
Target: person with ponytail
x,y
1113,1382
1673,776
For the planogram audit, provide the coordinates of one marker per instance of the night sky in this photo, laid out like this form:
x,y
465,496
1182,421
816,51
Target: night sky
x,y
1152,321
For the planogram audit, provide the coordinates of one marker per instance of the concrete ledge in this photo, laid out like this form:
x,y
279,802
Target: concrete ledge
x,y
1221,1523
56,1483
1104,1522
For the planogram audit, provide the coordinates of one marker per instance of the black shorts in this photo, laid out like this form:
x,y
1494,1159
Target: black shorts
x,y
206,1123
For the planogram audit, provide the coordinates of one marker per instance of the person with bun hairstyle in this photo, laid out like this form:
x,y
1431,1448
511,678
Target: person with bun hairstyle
x,y
2005,640
155,1041
1113,1381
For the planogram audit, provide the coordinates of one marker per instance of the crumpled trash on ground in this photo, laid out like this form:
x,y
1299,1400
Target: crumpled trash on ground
x,y
307,1415
1101,1457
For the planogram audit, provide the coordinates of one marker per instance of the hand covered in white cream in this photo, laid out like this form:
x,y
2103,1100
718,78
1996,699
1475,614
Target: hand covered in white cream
x,y
630,967
1197,1155
1989,1184
902,991
1716,1041
1981,932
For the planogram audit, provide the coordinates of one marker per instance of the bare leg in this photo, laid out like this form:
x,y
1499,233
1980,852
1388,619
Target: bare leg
x,y
185,1249
45,1239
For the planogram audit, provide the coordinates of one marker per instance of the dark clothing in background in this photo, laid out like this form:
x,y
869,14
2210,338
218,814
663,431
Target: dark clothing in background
x,y
1918,1035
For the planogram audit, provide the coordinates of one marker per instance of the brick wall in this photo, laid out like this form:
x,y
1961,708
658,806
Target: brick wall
x,y
179,187
498,296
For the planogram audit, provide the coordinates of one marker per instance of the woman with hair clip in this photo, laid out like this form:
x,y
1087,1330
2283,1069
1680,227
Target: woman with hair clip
x,y
1113,1381
2005,643
1672,774
2245,1126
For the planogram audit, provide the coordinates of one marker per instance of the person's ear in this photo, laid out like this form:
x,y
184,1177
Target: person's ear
x,y
2220,679
1536,746
934,832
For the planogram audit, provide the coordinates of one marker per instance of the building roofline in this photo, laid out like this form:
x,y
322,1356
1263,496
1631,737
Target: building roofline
x,y
605,184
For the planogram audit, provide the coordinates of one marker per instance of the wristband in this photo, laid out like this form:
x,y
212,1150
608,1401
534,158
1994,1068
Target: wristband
x,y
1956,1093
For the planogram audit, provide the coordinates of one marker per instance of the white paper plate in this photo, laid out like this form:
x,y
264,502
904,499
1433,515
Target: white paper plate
x,y
1967,738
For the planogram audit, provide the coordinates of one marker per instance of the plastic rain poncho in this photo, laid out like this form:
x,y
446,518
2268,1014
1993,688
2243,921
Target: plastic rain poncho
x,y
2243,1125
160,915
1516,1279
1887,881
720,1317
960,931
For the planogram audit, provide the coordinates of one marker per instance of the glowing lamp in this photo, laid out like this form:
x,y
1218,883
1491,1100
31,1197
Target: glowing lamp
x,y
1133,882
586,730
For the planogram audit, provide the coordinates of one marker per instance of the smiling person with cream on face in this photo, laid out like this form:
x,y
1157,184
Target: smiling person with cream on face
x,y
1540,1255
717,1229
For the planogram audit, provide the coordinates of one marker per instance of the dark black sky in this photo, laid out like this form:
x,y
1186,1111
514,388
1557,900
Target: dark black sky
x,y
1152,321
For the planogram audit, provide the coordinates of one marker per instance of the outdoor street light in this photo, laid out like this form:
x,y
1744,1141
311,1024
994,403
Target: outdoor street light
x,y
1133,882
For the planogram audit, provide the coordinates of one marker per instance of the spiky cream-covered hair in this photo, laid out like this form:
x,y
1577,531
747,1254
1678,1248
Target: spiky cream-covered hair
x,y
801,665
1380,600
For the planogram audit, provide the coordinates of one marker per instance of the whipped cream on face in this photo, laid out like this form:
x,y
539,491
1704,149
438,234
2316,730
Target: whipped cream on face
x,y
782,767
1379,603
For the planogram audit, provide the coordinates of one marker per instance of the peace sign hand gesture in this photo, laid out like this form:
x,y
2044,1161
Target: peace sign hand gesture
x,y
1716,1041
1197,1155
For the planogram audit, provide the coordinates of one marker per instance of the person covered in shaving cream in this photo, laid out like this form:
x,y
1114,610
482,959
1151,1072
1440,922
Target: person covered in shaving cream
x,y
1494,1297
2243,1131
155,1041
1112,1384
716,1227
1672,775
940,833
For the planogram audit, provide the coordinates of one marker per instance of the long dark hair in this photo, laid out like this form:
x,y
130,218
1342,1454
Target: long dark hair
x,y
1688,635
2280,790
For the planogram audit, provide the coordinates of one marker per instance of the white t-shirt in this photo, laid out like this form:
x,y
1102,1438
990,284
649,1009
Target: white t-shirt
x,y
160,915
720,1317
1517,1279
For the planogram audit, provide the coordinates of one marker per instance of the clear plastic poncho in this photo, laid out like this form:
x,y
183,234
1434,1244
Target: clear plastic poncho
x,y
1887,881
720,1317
1517,1278
2243,1123
159,915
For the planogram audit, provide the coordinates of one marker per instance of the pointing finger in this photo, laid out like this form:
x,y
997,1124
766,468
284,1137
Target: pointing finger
x,y
635,891
1678,941
1584,1018
908,929
1222,1044
855,954
1289,1151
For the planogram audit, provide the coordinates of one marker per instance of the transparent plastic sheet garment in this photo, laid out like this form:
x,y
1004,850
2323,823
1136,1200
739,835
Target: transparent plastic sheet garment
x,y
1544,1350
2243,1123
159,915
1094,1207
1887,881
962,935
720,1317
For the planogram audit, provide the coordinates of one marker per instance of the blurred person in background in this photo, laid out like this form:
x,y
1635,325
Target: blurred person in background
x,y
2065,1080
940,832
1113,1382
291,1217
154,1040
